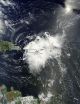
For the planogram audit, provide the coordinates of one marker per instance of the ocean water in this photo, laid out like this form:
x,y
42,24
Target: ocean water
x,y
47,65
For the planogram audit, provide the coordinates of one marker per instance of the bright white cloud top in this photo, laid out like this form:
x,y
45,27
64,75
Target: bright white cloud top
x,y
68,9
41,49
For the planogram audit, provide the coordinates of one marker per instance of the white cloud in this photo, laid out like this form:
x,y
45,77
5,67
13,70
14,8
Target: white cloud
x,y
46,98
2,27
41,49
6,2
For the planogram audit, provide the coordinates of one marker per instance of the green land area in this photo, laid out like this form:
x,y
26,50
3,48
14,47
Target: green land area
x,y
15,97
8,46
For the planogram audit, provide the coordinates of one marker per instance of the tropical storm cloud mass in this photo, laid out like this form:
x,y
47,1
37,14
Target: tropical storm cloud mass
x,y
40,51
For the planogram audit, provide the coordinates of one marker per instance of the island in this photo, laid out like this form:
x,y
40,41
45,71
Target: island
x,y
8,46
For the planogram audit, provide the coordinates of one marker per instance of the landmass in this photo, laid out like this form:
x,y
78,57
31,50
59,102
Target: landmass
x,y
8,46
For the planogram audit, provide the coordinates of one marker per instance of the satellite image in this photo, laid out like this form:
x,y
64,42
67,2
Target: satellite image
x,y
39,52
